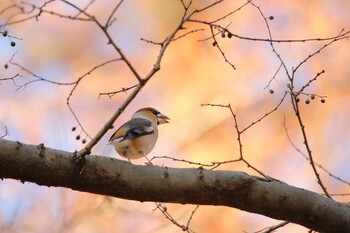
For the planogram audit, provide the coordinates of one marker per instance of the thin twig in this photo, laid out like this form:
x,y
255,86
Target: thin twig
x,y
239,140
176,38
230,13
112,93
274,76
307,158
164,210
85,8
13,79
187,33
307,146
294,98
191,216
41,9
76,85
309,82
6,133
273,228
212,165
336,38
206,7
216,44
271,41
109,20
266,114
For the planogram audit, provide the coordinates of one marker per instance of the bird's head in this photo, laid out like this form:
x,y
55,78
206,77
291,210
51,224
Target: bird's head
x,y
151,114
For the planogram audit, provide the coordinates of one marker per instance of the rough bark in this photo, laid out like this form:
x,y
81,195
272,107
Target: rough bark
x,y
112,177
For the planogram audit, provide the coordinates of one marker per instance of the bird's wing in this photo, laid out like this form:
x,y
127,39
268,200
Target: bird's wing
x,y
134,128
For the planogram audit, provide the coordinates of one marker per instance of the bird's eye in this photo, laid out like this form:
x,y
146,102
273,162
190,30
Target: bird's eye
x,y
155,112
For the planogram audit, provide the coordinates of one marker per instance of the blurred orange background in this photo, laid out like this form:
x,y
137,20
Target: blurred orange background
x,y
192,73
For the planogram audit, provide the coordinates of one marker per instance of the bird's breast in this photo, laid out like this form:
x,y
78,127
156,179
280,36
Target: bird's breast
x,y
137,147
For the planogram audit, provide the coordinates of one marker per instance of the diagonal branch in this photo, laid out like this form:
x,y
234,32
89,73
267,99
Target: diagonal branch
x,y
142,81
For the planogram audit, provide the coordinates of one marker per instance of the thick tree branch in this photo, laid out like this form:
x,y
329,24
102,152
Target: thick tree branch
x,y
108,176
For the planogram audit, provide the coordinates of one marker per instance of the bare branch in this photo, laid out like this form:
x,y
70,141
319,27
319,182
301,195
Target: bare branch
x,y
191,216
307,158
76,83
207,7
183,161
230,13
233,189
109,20
108,176
266,114
271,41
272,228
85,8
111,94
176,38
80,11
294,100
212,165
340,36
273,77
41,10
168,216
307,146
187,33
21,10
13,79
37,78
344,35
239,140
309,82
240,132
152,42
6,133
216,44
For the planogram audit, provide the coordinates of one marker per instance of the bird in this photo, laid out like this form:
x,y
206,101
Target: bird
x,y
137,137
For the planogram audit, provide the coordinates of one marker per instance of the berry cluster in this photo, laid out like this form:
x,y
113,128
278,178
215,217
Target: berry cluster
x,y
224,33
5,34
311,97
78,137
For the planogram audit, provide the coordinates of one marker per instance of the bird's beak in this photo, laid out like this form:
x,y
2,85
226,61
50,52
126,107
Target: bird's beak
x,y
162,119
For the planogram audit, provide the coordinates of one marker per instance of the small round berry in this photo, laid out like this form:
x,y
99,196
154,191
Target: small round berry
x,y
229,35
6,66
312,97
271,17
307,101
272,91
297,99
74,128
215,43
223,35
4,33
77,137
184,228
83,141
323,100
13,44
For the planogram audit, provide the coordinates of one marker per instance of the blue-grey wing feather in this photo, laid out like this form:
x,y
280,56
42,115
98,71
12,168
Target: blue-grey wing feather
x,y
136,128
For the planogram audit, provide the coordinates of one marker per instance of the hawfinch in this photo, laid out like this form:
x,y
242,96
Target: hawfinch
x,y
137,137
